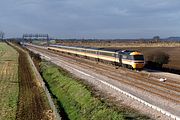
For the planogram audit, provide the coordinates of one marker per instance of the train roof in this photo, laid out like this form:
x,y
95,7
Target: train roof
x,y
110,49
90,48
129,52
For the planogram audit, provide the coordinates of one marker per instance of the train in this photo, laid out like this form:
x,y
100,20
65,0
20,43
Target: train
x,y
126,58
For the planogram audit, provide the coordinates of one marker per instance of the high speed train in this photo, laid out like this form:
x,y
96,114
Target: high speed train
x,y
126,58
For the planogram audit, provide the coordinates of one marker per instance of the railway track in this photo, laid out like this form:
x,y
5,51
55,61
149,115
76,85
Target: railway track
x,y
146,85
168,90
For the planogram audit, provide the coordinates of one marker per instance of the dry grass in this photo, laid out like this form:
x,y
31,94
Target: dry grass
x,y
107,44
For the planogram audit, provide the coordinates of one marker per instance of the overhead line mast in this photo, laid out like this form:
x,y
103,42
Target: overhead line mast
x,y
35,36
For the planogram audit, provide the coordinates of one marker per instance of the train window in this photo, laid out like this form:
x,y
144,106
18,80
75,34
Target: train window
x,y
88,51
124,56
75,49
92,52
113,55
138,57
130,57
106,54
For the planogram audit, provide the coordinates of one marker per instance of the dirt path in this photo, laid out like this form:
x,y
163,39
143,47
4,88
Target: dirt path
x,y
32,103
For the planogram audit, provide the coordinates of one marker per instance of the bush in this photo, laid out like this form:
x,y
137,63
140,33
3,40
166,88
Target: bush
x,y
157,59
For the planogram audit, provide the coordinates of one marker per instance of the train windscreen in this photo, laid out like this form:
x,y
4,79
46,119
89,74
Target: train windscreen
x,y
138,57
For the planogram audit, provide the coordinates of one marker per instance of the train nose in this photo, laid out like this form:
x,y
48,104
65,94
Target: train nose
x,y
138,65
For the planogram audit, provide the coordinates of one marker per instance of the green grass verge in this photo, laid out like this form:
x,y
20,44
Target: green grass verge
x,y
77,100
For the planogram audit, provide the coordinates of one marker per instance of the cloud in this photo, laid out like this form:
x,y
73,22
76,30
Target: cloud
x,y
91,18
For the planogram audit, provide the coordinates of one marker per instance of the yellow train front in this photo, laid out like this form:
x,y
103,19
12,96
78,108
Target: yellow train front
x,y
132,59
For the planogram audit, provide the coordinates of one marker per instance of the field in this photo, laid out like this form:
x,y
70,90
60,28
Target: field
x,y
115,44
9,85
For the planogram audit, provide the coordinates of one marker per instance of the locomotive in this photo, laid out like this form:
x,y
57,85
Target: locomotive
x,y
126,58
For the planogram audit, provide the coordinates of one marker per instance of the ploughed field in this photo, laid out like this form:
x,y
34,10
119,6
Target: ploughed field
x,y
174,55
9,86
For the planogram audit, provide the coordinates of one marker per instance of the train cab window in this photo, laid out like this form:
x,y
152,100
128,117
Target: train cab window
x,y
138,57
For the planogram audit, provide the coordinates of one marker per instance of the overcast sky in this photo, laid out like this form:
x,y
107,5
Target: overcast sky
x,y
91,18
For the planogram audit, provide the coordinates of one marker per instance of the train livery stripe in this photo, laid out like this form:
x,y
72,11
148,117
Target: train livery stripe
x,y
108,58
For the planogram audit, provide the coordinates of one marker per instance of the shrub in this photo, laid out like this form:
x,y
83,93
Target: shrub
x,y
157,59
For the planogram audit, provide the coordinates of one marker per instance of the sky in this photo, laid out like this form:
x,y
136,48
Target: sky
x,y
91,19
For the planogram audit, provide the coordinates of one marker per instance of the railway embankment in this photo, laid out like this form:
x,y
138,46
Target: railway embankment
x,y
35,64
80,100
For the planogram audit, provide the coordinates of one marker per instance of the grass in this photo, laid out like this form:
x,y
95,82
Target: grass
x,y
9,86
77,100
